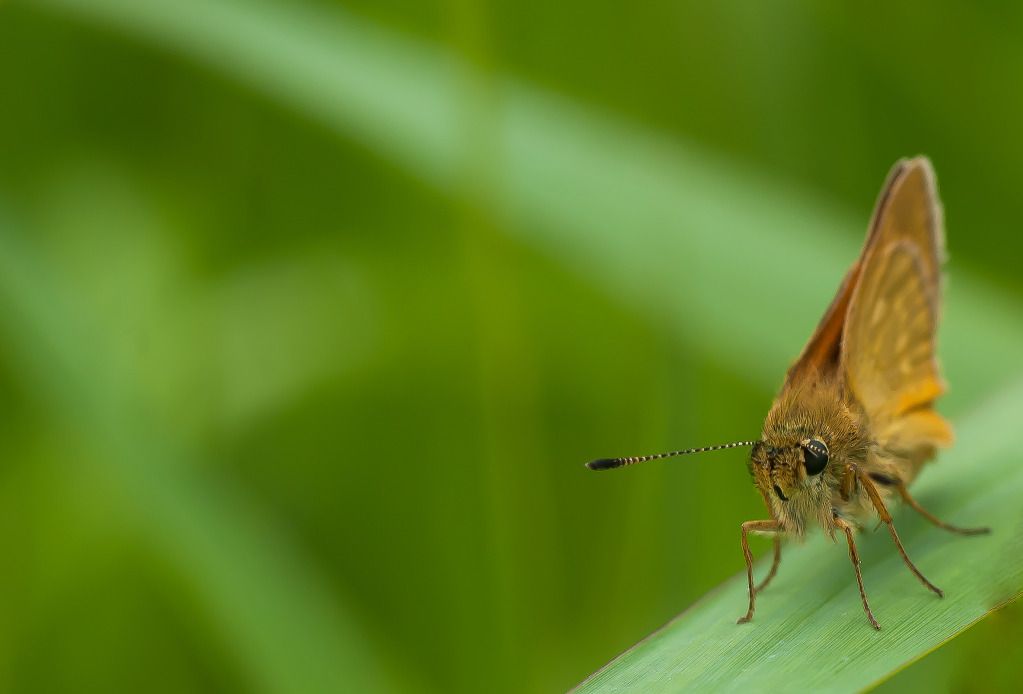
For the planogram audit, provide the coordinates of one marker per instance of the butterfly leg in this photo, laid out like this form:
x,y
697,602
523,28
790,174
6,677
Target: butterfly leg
x,y
882,511
854,557
774,563
929,516
763,526
848,486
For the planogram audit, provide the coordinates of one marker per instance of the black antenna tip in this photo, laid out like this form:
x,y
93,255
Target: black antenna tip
x,y
605,464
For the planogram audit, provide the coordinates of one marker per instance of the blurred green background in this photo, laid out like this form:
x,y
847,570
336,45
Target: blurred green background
x,y
310,313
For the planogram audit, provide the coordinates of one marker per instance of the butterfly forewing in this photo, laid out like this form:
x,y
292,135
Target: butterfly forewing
x,y
822,352
909,211
888,346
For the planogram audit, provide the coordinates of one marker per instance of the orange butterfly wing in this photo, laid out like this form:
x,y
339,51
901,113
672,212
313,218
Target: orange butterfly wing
x,y
887,351
879,332
821,355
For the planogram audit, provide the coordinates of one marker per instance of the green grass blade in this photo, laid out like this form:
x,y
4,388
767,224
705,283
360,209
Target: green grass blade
x,y
810,633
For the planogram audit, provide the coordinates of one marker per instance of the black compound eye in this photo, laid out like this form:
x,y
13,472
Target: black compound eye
x,y
815,456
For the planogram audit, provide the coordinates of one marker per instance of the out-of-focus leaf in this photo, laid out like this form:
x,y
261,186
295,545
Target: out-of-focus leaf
x,y
272,607
669,228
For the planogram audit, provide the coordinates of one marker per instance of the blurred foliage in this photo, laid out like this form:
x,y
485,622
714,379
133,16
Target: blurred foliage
x,y
307,326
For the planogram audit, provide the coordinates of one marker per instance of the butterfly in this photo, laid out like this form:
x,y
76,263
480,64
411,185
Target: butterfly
x,y
854,421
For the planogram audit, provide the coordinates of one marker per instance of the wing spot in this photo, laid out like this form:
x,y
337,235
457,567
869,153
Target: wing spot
x,y
880,309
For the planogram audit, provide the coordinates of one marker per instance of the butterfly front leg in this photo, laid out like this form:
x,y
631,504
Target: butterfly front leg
x,y
775,561
762,526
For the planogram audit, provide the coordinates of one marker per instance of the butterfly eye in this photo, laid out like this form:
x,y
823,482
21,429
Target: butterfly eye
x,y
815,456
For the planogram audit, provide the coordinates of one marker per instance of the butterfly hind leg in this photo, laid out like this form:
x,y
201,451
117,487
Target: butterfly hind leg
x,y
854,475
934,519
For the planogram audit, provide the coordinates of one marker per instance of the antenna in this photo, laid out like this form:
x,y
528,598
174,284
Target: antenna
x,y
612,463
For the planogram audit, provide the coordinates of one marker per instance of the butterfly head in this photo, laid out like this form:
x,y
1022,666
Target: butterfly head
x,y
787,467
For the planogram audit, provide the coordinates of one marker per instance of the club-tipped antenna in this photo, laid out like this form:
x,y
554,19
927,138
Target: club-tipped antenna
x,y
612,463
